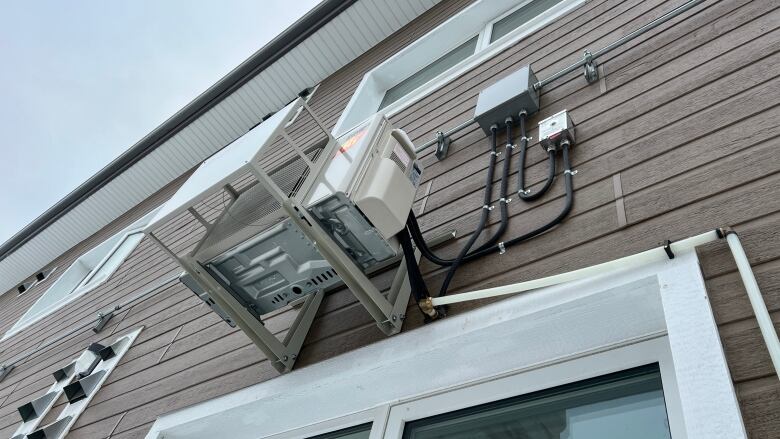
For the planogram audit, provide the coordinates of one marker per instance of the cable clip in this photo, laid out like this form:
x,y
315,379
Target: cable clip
x,y
487,207
527,139
510,146
570,172
501,248
668,249
505,200
524,192
495,153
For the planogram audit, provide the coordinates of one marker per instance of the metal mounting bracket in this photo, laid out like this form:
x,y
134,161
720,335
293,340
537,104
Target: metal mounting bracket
x,y
443,142
591,68
281,353
103,319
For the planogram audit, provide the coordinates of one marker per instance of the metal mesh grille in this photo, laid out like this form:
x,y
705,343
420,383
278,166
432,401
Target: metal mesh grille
x,y
286,160
181,234
256,209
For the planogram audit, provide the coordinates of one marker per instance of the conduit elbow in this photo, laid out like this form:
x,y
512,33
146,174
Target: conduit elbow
x,y
725,231
431,312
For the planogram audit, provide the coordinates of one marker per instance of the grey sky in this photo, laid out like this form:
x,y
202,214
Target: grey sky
x,y
81,81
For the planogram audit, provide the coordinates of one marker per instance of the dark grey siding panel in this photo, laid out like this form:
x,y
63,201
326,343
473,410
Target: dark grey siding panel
x,y
684,122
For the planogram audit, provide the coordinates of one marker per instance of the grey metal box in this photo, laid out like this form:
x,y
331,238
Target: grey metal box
x,y
507,97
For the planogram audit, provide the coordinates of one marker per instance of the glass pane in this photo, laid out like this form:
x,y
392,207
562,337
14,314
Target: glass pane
x,y
429,72
520,17
115,260
629,404
358,432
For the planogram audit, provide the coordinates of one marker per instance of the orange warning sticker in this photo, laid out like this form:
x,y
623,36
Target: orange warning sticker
x,y
352,141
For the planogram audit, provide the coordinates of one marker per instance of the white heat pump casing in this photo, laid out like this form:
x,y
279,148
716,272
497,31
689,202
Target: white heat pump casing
x,y
386,196
363,195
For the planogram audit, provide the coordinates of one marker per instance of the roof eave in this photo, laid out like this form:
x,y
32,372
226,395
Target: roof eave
x,y
260,60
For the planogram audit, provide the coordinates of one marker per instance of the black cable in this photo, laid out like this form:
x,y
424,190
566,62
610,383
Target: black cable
x,y
414,227
419,289
503,192
521,191
488,197
483,218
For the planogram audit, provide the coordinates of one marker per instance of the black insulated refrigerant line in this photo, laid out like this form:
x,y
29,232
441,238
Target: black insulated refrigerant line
x,y
483,217
414,228
488,198
523,193
416,282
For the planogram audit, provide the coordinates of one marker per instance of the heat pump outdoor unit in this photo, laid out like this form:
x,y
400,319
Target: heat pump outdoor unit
x,y
284,214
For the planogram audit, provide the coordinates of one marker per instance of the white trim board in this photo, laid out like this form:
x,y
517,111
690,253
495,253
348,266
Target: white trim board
x,y
597,318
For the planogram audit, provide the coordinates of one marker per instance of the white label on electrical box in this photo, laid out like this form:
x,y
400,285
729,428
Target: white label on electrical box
x,y
553,125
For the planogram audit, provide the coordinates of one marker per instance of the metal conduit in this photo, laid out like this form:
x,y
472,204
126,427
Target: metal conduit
x,y
590,57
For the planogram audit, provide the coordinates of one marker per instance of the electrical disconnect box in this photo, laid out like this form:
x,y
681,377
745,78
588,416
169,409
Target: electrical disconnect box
x,y
507,97
555,129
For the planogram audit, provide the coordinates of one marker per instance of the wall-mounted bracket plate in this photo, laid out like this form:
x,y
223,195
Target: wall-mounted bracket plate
x,y
442,145
103,319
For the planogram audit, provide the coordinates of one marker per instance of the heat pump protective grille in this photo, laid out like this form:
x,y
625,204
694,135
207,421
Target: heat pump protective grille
x,y
255,209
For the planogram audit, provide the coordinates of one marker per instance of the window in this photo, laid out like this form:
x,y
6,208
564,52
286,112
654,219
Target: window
x,y
521,15
87,272
358,432
624,404
76,383
429,72
469,38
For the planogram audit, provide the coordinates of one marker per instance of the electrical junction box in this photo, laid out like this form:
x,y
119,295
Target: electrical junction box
x,y
555,129
507,97
363,194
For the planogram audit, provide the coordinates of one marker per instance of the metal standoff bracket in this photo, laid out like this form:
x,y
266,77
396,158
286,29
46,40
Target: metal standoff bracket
x,y
102,321
442,145
591,68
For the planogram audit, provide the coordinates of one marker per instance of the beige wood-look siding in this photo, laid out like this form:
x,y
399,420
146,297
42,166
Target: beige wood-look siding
x,y
680,136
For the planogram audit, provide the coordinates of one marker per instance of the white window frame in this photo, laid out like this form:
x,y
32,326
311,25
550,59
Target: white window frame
x,y
541,339
476,19
536,379
103,252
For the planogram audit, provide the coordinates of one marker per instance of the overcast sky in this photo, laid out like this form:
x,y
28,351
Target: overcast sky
x,y
81,81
